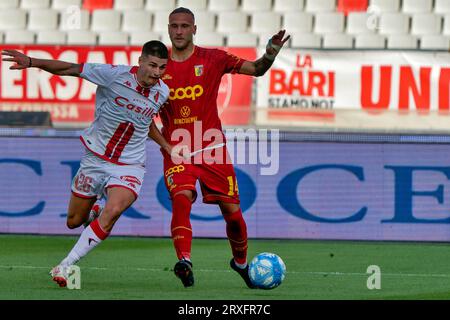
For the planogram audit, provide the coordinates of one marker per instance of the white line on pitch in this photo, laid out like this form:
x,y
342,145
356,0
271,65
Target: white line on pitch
x,y
431,275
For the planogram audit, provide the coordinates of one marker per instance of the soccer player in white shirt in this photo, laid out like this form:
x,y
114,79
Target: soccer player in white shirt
x,y
127,99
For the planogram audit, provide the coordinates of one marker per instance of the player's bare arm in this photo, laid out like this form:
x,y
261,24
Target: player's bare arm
x,y
259,67
156,136
22,61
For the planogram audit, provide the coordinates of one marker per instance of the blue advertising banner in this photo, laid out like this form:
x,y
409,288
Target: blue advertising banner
x,y
313,190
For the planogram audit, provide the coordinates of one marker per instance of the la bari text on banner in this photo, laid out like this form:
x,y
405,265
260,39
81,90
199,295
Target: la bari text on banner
x,y
356,88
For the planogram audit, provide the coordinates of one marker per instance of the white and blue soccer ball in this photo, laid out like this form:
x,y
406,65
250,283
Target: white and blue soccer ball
x,y
267,270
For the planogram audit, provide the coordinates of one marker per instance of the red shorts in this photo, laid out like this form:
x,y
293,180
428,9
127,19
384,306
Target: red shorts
x,y
217,181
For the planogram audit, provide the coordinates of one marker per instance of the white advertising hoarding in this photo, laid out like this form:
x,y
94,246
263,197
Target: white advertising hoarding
x,y
356,89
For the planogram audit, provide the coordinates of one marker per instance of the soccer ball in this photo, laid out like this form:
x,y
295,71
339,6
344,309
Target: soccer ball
x,y
267,270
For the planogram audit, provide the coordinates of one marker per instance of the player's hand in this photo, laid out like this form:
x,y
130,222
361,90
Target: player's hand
x,y
276,43
178,153
22,61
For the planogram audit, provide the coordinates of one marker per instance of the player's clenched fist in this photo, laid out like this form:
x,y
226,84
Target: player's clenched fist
x,y
22,61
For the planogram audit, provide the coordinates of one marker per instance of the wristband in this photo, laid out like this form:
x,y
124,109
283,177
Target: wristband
x,y
29,64
274,47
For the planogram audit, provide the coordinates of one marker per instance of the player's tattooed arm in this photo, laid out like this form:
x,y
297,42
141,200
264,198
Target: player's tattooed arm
x,y
57,67
262,65
259,67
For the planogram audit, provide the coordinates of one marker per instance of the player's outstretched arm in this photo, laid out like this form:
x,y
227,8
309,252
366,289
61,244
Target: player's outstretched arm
x,y
57,67
259,67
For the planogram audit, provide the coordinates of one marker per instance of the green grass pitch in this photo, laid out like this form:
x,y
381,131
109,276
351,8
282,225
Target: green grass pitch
x,y
141,268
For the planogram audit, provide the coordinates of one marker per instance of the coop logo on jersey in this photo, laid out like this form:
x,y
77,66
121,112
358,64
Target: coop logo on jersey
x,y
186,93
198,70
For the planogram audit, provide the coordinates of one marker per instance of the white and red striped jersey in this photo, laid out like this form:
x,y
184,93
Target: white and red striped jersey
x,y
123,113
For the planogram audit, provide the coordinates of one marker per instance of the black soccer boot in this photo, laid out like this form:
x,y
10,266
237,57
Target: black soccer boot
x,y
183,270
243,273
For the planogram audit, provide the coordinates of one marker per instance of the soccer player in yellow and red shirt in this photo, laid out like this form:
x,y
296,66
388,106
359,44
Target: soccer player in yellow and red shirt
x,y
193,75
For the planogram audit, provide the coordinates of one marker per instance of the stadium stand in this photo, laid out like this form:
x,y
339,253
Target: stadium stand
x,y
53,37
288,5
256,5
442,6
42,19
136,21
221,6
93,5
160,21
196,5
338,41
160,5
242,40
210,39
306,40
65,4
350,24
417,6
140,37
9,4
384,6
82,37
106,20
67,21
370,41
13,19
206,19
402,41
113,38
34,4
347,6
240,22
265,22
329,22
19,37
298,22
357,23
122,5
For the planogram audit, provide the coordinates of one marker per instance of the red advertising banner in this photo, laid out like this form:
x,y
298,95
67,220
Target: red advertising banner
x,y
70,100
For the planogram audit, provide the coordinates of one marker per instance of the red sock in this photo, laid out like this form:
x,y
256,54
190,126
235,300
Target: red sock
x,y
237,235
98,231
181,226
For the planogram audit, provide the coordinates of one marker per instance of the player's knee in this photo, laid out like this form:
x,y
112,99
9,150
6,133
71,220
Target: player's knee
x,y
112,211
187,193
229,208
72,223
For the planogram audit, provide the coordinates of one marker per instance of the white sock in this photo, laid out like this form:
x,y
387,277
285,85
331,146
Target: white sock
x,y
240,266
88,240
